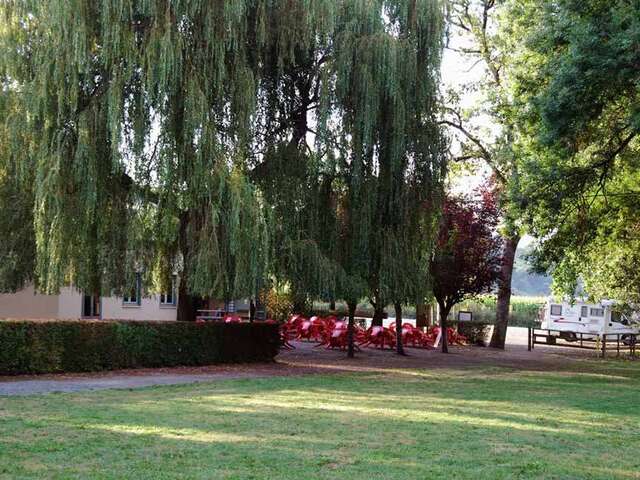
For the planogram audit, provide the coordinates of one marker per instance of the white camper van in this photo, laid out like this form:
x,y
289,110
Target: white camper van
x,y
592,320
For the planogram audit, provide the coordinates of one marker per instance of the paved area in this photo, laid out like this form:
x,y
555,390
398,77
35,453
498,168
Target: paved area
x,y
305,359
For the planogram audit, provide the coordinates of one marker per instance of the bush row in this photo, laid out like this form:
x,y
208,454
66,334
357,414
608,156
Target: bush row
x,y
83,346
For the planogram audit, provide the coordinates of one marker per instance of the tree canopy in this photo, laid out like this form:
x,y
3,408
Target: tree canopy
x,y
576,70
466,262
485,129
225,140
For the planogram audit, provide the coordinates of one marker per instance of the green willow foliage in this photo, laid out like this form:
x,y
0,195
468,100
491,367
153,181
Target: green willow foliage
x,y
576,78
355,208
221,139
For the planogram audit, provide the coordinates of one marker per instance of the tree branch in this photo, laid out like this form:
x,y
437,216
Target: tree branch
x,y
484,152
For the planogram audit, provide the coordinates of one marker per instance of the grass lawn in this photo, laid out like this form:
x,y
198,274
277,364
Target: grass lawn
x,y
445,423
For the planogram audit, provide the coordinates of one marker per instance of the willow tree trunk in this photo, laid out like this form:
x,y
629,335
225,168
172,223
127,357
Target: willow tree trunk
x,y
444,340
252,311
350,329
503,303
187,309
399,346
378,314
422,317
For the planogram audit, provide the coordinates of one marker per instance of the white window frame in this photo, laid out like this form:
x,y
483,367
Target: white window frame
x,y
598,310
551,308
174,291
130,301
584,311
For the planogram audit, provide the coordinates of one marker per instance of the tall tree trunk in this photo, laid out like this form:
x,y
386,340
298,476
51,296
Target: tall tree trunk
x,y
187,309
399,346
499,336
187,304
252,311
422,318
350,329
378,314
444,340
332,306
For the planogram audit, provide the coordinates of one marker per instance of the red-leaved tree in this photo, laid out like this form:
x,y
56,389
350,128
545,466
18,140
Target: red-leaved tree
x,y
466,262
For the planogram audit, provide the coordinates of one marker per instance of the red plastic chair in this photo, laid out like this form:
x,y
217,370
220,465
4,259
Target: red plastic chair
x,y
304,330
379,337
232,319
284,340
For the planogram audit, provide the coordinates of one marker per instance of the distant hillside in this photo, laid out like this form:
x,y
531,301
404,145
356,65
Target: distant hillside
x,y
525,283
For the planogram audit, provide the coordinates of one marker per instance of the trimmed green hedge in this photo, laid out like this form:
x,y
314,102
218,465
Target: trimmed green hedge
x,y
84,346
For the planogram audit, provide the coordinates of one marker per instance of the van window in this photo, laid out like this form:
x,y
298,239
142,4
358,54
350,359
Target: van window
x,y
619,317
556,309
597,312
584,311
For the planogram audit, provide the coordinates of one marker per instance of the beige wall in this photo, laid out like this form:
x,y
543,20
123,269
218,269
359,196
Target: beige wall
x,y
28,304
149,309
68,305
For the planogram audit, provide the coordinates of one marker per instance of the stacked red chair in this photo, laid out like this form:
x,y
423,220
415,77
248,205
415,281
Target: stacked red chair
x,y
304,330
318,327
380,337
338,338
284,339
453,337
232,319
290,327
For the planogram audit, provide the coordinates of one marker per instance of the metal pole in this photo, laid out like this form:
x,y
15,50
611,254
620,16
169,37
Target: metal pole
x,y
533,338
604,345
529,339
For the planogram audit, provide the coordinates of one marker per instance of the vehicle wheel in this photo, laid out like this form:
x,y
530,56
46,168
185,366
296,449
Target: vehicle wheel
x,y
551,340
569,336
629,339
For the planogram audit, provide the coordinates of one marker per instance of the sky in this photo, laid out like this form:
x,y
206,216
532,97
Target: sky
x,y
456,70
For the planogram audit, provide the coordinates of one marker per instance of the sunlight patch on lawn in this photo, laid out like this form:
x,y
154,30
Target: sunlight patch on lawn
x,y
313,402
190,434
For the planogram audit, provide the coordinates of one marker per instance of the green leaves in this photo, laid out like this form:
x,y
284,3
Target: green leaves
x,y
577,78
201,137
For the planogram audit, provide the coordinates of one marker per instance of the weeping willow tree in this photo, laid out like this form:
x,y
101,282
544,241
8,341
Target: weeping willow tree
x,y
348,151
17,249
200,136
137,119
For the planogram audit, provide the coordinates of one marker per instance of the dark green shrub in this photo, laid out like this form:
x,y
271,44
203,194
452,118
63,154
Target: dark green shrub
x,y
83,346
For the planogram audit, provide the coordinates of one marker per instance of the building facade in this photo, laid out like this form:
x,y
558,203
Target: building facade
x,y
73,304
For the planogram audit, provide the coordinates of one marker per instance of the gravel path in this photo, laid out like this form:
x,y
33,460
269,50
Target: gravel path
x,y
123,381
305,360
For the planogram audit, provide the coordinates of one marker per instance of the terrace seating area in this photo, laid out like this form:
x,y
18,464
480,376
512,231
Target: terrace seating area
x,y
332,333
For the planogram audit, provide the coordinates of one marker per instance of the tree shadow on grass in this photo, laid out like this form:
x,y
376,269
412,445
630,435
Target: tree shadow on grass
x,y
358,426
